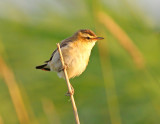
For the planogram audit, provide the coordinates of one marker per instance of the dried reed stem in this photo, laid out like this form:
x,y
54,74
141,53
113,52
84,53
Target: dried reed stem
x,y
123,38
69,86
14,91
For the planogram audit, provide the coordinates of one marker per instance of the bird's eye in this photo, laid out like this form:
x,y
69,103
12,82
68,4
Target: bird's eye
x,y
88,38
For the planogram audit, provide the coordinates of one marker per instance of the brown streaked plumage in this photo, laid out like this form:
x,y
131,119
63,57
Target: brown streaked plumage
x,y
76,52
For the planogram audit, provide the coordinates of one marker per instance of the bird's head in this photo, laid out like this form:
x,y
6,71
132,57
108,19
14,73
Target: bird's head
x,y
87,35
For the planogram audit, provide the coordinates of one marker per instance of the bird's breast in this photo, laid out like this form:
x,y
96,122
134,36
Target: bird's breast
x,y
76,58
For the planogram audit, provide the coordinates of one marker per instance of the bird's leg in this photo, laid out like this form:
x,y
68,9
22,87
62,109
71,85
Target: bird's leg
x,y
70,93
62,68
65,66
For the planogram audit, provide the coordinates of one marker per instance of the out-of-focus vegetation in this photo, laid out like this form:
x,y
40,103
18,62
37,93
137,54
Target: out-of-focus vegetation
x,y
112,90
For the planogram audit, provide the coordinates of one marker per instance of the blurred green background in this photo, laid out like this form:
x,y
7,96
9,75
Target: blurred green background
x,y
112,90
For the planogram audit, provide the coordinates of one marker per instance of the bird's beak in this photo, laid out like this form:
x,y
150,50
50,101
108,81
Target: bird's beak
x,y
99,38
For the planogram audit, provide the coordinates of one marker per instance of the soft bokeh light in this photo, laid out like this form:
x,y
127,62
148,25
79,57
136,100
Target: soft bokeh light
x,y
121,84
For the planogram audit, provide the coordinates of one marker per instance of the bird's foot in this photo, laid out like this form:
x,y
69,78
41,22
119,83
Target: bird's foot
x,y
62,68
65,66
70,93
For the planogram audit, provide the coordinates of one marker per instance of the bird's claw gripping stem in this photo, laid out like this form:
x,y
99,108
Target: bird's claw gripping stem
x,y
62,68
70,93
65,66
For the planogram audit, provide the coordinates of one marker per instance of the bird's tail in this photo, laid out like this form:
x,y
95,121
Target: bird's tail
x,y
43,67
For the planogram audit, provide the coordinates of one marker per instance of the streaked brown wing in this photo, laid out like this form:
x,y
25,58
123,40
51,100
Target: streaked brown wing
x,y
63,44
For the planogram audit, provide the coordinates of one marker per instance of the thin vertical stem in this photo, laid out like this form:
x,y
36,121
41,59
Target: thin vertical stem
x,y
69,86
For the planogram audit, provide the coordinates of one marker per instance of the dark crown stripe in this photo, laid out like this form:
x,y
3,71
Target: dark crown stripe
x,y
88,32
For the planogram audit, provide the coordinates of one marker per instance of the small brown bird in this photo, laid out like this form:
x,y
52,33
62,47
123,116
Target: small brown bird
x,y
76,51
